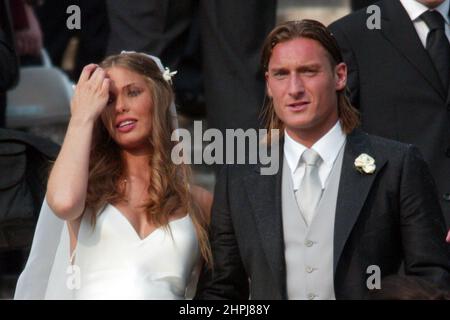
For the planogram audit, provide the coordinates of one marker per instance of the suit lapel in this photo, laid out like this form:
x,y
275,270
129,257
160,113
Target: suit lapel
x,y
399,30
353,189
264,193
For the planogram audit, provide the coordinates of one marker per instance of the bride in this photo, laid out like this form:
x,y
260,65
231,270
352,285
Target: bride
x,y
120,220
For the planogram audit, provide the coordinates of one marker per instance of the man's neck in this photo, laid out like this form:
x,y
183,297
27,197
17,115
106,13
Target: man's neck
x,y
309,137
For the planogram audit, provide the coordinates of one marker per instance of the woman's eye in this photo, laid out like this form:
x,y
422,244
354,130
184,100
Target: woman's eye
x,y
133,93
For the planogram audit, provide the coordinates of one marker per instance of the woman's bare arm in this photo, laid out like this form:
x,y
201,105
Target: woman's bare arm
x,y
67,185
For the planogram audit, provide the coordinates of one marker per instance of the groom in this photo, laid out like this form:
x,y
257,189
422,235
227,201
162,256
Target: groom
x,y
344,209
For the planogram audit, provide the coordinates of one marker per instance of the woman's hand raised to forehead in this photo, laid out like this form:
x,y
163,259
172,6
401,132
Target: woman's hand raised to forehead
x,y
91,94
68,181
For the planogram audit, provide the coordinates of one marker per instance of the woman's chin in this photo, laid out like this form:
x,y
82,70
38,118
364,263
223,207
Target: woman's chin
x,y
134,145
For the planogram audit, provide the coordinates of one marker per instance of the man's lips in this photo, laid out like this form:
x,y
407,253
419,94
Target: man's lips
x,y
298,105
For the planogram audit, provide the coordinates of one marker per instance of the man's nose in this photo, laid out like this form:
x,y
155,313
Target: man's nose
x,y
296,86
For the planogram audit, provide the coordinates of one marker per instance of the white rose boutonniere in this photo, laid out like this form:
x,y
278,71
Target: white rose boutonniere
x,y
365,164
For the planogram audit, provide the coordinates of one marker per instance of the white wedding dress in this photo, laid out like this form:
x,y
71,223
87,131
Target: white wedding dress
x,y
110,261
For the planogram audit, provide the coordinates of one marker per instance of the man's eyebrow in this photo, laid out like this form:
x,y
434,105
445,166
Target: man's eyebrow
x,y
314,66
310,66
277,68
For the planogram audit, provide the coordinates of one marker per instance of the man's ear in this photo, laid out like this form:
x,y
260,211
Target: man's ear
x,y
341,76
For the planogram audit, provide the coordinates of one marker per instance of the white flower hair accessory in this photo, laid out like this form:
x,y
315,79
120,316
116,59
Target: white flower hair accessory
x,y
365,164
166,73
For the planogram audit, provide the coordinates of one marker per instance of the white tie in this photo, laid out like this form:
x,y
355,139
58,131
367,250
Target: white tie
x,y
310,191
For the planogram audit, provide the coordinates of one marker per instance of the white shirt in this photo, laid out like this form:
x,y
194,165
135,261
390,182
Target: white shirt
x,y
327,147
415,9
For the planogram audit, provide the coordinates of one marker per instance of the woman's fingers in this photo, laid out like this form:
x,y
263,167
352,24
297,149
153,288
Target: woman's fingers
x,y
97,78
105,86
86,73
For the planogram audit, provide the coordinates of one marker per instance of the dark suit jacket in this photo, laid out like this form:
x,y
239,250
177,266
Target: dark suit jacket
x,y
381,219
396,87
8,60
9,68
358,4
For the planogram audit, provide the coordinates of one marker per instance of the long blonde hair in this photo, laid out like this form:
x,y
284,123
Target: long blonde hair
x,y
168,191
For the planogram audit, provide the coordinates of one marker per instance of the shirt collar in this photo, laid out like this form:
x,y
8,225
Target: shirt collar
x,y
293,150
327,147
415,9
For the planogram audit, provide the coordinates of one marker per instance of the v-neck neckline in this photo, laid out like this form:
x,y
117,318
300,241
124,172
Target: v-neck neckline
x,y
135,233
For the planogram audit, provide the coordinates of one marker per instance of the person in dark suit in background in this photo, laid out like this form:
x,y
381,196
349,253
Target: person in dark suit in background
x,y
343,202
399,78
92,36
9,72
359,4
402,287
28,37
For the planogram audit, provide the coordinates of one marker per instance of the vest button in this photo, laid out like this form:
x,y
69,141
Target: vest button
x,y
309,269
311,296
446,196
309,243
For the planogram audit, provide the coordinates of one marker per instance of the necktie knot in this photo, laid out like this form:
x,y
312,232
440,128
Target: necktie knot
x,y
433,19
310,157
310,191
